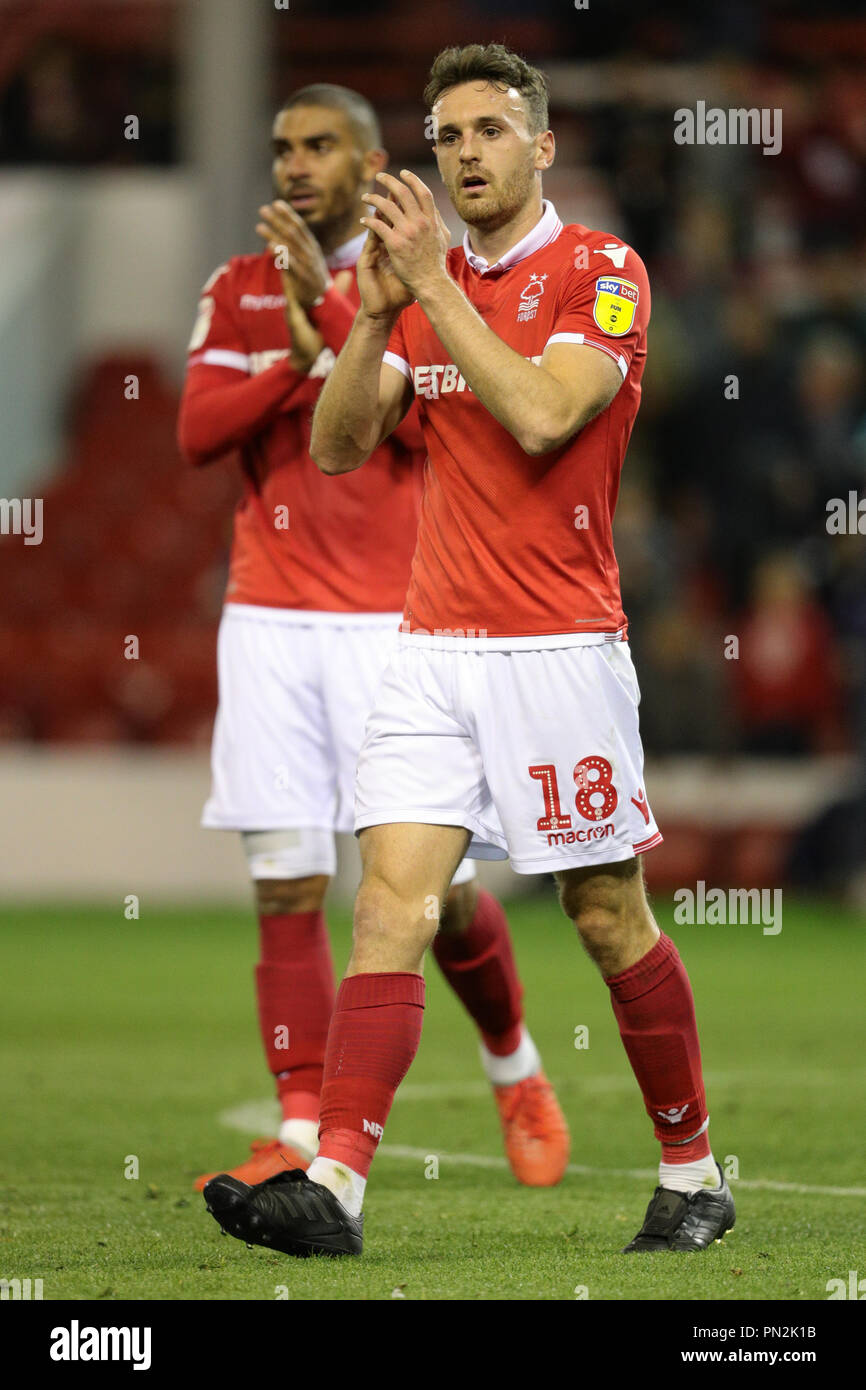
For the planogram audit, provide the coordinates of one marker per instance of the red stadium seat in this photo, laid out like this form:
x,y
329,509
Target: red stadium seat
x,y
135,544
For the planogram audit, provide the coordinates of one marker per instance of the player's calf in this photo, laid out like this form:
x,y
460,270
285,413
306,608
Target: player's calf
x,y
295,995
654,1009
461,904
376,1025
477,959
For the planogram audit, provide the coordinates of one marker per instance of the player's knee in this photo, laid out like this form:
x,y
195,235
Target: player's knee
x,y
279,896
290,869
587,891
385,913
605,938
609,908
461,902
599,900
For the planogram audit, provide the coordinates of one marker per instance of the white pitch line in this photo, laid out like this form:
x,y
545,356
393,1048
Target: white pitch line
x,y
262,1116
472,1089
583,1171
476,1088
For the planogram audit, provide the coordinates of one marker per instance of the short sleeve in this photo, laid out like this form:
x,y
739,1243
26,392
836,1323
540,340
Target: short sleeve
x,y
606,306
396,354
216,339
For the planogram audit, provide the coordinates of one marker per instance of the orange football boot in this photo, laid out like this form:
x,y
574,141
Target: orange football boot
x,y
269,1157
537,1142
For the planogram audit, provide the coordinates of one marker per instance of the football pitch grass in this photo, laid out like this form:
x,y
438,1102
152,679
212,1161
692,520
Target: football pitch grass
x,y
132,1046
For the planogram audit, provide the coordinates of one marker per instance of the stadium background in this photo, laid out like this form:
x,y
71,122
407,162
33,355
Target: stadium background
x,y
756,764
132,1033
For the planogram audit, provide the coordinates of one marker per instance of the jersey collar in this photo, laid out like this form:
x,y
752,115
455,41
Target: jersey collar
x,y
348,254
546,229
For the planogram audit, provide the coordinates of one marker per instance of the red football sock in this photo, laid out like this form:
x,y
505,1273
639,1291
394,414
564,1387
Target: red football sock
x,y
479,966
295,988
654,1008
375,1031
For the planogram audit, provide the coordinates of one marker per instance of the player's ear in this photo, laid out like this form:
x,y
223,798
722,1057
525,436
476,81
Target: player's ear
x,y
545,150
375,162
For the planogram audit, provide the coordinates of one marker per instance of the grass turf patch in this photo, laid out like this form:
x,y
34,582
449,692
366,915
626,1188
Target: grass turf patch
x,y
127,1040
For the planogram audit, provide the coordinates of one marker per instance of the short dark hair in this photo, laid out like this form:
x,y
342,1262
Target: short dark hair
x,y
493,63
357,109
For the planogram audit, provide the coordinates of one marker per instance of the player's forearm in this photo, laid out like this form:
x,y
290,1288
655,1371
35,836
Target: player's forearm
x,y
347,421
333,318
530,403
216,417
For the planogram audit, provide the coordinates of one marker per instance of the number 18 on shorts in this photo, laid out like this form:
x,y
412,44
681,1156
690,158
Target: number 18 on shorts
x,y
537,753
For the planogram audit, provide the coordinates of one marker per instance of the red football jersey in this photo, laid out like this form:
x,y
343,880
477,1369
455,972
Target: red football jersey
x,y
301,540
511,546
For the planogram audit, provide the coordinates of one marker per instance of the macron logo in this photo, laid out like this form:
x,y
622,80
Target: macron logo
x,y
616,253
371,1127
263,301
673,1116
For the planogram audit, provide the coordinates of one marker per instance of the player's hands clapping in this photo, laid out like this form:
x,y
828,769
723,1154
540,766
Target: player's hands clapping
x,y
408,226
280,226
304,276
383,294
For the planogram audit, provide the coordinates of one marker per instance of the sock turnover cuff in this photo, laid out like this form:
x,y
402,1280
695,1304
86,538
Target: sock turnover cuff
x,y
371,991
646,973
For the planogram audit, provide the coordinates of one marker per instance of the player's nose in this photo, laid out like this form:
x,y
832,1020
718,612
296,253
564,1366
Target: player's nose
x,y
295,167
468,147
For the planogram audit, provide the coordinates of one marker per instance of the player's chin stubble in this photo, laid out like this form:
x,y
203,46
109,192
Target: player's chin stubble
x,y
494,208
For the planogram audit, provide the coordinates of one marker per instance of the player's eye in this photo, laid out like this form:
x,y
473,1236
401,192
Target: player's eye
x,y
492,130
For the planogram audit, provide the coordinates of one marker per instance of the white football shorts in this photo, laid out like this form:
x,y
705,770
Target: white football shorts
x,y
295,691
537,753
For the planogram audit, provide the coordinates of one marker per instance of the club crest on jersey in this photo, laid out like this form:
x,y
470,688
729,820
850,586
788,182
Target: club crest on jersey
x,y
528,306
615,304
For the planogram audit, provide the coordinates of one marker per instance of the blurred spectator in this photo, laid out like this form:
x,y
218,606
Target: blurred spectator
x,y
683,707
823,159
68,101
786,680
847,605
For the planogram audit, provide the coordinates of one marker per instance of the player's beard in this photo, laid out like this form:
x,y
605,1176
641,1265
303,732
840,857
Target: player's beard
x,y
333,212
500,203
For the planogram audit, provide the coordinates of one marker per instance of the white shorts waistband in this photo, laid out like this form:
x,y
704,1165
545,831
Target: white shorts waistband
x,y
309,617
474,640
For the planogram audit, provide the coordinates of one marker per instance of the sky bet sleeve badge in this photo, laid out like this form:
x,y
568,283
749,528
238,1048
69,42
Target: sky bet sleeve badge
x,y
615,303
